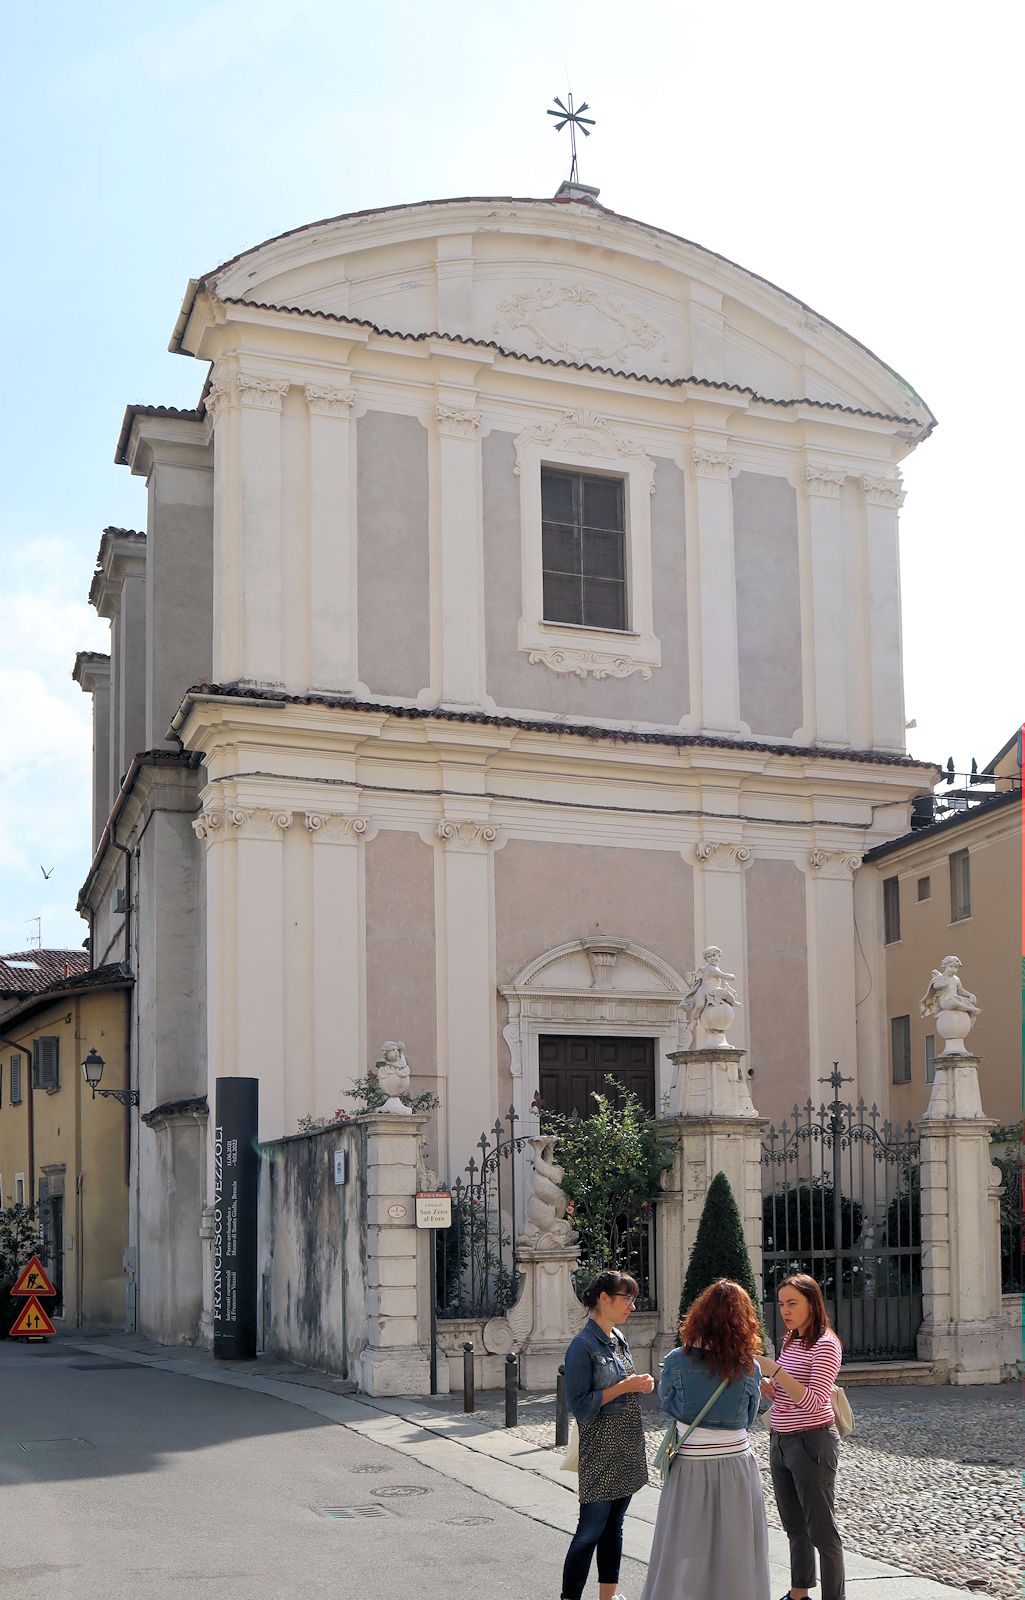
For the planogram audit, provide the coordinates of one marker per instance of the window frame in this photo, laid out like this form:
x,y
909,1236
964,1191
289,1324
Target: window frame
x,y
960,856
930,1058
584,443
19,1189
577,475
926,878
891,910
905,1051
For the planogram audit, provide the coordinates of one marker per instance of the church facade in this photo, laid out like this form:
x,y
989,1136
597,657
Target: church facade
x,y
554,627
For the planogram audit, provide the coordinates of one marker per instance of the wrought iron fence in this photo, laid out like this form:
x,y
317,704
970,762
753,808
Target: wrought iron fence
x,y
476,1269
628,1246
1007,1154
842,1203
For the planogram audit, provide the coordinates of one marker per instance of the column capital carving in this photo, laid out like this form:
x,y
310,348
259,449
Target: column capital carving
x,y
238,822
824,482
715,464
326,402
466,835
717,854
888,492
456,422
336,828
261,394
834,863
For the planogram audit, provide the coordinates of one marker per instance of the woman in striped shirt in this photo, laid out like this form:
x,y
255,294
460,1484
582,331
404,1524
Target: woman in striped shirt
x,y
805,1445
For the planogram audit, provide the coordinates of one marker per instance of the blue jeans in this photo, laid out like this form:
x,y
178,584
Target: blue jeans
x,y
600,1528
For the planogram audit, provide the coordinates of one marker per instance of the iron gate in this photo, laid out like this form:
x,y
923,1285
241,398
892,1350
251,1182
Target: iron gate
x,y
841,1201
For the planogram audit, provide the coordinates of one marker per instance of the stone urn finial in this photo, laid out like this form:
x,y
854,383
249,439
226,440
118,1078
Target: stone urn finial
x,y
952,1005
711,1001
392,1073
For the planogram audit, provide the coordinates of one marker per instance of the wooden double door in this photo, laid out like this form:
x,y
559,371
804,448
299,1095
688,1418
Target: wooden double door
x,y
572,1068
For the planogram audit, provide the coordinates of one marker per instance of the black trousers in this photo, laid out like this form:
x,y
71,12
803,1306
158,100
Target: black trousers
x,y
600,1529
804,1480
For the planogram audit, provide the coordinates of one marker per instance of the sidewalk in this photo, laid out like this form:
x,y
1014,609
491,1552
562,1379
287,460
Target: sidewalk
x,y
509,1470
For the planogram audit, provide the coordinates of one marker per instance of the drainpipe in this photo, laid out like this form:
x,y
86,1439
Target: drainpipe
x,y
26,1051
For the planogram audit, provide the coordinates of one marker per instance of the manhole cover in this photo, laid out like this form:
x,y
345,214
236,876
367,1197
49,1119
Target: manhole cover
x,y
349,1513
395,1491
370,1469
467,1522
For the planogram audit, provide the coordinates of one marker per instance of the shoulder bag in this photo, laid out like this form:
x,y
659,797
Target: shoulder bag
x,y
671,1441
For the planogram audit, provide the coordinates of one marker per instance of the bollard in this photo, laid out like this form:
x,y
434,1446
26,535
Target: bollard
x,y
561,1414
511,1396
468,1397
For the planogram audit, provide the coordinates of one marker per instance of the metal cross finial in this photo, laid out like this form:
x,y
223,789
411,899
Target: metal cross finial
x,y
576,119
836,1079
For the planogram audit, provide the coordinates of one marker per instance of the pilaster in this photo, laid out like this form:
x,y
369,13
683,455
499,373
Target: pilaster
x,y
832,986
720,914
332,599
883,498
462,574
720,676
823,487
339,953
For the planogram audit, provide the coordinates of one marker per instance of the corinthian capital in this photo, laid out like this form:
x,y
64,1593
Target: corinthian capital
x,y
711,463
323,402
456,421
466,835
888,492
261,394
825,482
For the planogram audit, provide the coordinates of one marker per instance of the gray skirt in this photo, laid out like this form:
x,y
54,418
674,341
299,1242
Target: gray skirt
x,y
711,1537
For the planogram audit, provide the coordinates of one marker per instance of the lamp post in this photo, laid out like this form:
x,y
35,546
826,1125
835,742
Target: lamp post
x,y
92,1070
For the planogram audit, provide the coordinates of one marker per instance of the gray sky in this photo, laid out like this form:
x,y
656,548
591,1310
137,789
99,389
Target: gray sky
x,y
859,157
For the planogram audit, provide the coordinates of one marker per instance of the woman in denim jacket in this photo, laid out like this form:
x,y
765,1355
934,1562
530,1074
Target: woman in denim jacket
x,y
602,1392
711,1537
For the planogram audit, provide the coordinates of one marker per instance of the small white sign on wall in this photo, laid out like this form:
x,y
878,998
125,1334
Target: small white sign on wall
x,y
341,1167
434,1209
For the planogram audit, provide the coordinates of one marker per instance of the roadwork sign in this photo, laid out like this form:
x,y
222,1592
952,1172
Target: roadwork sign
x,y
33,1280
32,1323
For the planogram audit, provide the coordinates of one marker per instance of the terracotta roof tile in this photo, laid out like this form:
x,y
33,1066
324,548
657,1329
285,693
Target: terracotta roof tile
x,y
28,972
195,414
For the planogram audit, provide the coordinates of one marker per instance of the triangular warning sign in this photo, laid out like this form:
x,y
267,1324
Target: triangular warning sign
x,y
33,1280
32,1323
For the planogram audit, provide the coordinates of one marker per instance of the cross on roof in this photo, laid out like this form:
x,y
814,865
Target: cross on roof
x,y
576,119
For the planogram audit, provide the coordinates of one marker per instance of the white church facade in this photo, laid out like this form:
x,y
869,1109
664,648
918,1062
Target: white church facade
x,y
543,572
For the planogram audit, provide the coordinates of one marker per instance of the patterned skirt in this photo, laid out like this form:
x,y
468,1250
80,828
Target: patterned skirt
x,y
612,1458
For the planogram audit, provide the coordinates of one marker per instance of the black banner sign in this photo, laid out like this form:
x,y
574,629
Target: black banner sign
x,y
236,1197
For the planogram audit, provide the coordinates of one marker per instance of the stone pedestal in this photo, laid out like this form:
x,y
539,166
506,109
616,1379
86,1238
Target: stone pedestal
x,y
395,1360
963,1327
719,1130
545,1317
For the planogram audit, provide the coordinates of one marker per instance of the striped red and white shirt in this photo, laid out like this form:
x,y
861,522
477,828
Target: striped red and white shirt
x,y
816,1366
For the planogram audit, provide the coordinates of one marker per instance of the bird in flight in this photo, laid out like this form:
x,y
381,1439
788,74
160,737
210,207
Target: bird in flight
x,y
45,873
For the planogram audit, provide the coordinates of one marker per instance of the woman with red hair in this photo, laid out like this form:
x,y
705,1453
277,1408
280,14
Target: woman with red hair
x,y
711,1537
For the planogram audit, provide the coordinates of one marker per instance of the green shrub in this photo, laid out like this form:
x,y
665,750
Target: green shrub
x,y
720,1249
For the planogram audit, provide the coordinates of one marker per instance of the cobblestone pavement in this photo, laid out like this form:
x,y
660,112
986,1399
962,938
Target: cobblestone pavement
x,y
928,1481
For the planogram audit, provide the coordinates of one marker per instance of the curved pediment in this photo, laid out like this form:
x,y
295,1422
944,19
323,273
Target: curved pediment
x,y
559,282
607,966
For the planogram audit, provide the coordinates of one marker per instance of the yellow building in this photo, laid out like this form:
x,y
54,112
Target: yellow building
x,y
954,888
65,1149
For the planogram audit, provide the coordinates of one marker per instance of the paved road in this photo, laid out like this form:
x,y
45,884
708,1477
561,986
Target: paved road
x,y
121,1482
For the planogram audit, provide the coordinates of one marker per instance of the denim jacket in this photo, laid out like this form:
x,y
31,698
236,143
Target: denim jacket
x,y
593,1363
685,1385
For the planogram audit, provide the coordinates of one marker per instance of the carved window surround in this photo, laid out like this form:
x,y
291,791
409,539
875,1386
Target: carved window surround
x,y
592,986
588,442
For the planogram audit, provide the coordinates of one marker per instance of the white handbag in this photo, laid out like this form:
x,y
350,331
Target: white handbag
x,y
571,1460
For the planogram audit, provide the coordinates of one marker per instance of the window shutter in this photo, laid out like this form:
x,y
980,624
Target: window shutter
x,y
15,1080
45,1072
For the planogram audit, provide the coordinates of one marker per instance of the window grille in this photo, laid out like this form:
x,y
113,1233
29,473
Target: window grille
x,y
583,543
891,910
900,1049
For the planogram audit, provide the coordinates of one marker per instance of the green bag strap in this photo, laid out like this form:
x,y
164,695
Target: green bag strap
x,y
704,1410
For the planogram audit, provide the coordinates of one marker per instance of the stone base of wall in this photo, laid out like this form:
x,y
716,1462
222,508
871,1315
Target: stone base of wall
x,y
403,1371
969,1352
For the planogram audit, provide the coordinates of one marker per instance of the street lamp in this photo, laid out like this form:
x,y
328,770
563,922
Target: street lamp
x,y
92,1070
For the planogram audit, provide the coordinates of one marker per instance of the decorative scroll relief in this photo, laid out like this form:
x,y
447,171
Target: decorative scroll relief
x,y
888,492
582,433
839,862
466,835
579,322
334,828
587,663
826,482
323,402
715,853
711,464
246,389
456,422
238,822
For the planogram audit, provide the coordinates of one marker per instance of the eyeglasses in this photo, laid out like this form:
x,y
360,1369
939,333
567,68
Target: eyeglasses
x,y
631,1299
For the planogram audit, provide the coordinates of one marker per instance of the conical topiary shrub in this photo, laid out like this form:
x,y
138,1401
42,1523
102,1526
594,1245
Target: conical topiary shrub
x,y
720,1249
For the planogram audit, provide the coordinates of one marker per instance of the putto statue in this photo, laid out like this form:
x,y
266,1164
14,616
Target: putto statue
x,y
711,1000
392,1073
952,1005
546,1226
